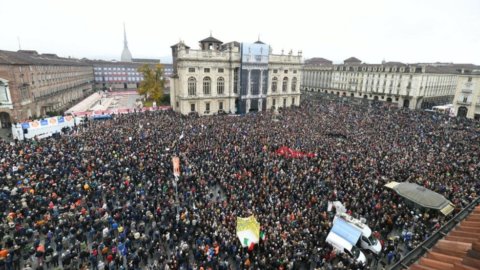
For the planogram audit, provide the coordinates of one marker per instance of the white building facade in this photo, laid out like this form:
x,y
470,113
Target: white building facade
x,y
415,86
467,96
233,78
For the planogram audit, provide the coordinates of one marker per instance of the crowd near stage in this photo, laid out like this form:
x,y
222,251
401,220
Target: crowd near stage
x,y
105,195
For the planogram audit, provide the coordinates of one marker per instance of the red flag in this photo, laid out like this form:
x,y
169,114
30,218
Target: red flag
x,y
252,245
290,153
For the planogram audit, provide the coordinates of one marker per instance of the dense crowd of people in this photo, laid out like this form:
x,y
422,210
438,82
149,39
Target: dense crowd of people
x,y
104,195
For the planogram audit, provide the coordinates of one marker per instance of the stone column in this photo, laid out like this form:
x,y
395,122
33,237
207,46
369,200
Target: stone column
x,y
249,83
229,90
261,83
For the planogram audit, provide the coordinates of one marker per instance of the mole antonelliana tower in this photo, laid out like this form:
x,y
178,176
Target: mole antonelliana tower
x,y
126,55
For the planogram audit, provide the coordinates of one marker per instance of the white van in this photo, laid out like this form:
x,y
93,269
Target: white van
x,y
367,241
343,246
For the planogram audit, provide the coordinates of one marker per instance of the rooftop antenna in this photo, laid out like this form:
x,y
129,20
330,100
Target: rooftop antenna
x,y
210,33
19,45
259,37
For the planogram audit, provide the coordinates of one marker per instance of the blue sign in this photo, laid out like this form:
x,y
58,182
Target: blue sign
x,y
346,231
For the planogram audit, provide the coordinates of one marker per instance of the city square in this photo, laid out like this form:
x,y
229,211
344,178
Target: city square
x,y
228,151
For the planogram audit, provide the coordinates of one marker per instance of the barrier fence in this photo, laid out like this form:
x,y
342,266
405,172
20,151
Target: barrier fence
x,y
46,127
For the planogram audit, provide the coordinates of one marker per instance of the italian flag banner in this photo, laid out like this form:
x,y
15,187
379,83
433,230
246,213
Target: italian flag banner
x,y
248,231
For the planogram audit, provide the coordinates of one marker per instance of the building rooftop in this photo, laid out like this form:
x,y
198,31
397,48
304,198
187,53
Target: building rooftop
x,y
318,61
460,249
146,60
393,64
352,60
111,63
181,43
30,57
210,39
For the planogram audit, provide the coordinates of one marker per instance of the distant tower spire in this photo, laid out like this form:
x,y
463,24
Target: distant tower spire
x,y
126,55
19,45
125,43
210,33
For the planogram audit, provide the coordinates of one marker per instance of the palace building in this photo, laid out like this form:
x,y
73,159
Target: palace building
x,y
467,95
415,86
233,78
33,84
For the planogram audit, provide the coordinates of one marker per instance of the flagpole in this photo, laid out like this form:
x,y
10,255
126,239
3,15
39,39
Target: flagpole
x,y
176,197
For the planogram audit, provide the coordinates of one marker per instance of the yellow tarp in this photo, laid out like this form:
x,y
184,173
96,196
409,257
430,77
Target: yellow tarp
x,y
248,230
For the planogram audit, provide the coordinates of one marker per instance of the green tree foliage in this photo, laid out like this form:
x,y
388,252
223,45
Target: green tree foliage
x,y
153,83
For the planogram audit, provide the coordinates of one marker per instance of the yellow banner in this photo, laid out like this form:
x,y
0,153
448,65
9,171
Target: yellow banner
x,y
248,224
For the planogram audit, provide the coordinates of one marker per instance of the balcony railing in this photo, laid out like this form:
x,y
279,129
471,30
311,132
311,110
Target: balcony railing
x,y
414,255
464,102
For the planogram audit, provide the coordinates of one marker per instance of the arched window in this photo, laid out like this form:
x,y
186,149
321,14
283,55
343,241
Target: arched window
x,y
274,84
220,86
207,85
285,84
294,84
192,86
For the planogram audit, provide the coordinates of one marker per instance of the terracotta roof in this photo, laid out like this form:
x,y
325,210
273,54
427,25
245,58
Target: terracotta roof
x,y
460,249
29,57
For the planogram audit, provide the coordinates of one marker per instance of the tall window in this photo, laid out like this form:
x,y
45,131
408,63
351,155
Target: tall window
x,y
285,84
192,86
235,80
220,85
274,84
294,84
207,85
220,105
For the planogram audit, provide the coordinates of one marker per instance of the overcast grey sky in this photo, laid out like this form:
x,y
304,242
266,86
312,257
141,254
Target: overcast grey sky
x,y
371,30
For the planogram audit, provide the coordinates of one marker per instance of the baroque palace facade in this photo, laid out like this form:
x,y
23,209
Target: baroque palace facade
x,y
233,78
415,86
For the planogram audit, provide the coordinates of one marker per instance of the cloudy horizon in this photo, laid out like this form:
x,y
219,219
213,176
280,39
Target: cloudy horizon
x,y
373,30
